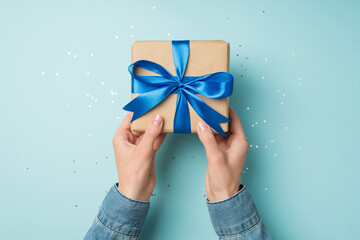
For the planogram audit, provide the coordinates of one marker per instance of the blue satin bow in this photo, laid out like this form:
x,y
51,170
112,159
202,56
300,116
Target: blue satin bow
x,y
155,89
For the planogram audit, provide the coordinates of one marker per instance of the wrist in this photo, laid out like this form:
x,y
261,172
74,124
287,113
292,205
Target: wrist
x,y
135,196
223,195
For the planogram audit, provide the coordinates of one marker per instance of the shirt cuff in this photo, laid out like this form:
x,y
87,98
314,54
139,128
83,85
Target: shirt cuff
x,y
121,214
234,215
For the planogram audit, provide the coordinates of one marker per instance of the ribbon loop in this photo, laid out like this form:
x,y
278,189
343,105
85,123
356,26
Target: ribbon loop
x,y
151,66
154,89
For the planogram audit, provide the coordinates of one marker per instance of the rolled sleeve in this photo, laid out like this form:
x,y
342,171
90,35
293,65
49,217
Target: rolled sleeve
x,y
235,215
120,215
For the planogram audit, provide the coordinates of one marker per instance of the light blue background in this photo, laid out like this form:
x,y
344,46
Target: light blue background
x,y
296,65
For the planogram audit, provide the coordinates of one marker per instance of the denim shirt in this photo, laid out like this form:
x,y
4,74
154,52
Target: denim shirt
x,y
120,218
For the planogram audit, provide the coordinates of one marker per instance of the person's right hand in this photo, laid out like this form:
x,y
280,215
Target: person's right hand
x,y
135,157
226,159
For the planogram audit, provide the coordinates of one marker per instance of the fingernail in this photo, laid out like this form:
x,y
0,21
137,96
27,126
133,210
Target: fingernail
x,y
202,126
157,120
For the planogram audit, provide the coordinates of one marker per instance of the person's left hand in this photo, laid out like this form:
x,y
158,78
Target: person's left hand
x,y
134,156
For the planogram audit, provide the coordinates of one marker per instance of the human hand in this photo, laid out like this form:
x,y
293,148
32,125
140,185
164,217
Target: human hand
x,y
226,158
134,156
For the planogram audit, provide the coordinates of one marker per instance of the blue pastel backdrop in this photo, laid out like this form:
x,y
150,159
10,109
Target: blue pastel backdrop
x,y
64,81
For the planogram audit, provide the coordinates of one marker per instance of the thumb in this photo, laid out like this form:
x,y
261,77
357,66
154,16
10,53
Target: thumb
x,y
152,132
207,138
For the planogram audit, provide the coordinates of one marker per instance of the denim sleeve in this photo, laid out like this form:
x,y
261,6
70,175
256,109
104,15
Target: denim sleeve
x,y
119,218
237,218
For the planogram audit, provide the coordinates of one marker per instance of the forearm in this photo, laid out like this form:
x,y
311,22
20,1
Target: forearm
x,y
118,218
237,218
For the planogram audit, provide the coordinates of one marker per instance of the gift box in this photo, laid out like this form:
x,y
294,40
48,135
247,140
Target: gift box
x,y
183,81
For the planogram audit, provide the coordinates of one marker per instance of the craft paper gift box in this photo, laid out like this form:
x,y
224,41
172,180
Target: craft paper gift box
x,y
203,58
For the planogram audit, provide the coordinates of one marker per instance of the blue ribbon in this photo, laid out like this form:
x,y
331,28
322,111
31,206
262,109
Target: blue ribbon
x,y
155,89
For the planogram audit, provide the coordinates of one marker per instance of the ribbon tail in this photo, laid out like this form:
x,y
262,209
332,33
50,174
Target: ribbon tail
x,y
209,115
182,123
146,101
